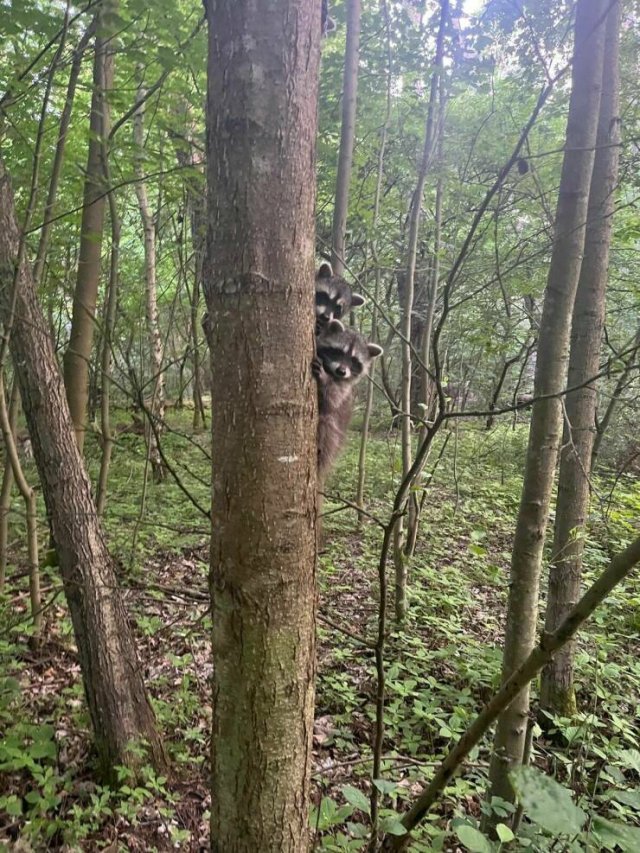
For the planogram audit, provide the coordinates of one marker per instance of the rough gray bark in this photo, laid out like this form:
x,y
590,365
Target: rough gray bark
x,y
259,288
557,694
551,367
112,675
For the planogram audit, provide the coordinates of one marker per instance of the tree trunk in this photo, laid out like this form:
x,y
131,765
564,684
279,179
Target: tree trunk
x,y
116,697
7,426
7,485
557,693
347,136
78,355
111,304
364,437
551,366
263,71
400,561
157,407
58,159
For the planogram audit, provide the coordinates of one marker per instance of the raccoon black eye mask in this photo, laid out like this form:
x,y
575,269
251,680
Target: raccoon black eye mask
x,y
334,297
342,358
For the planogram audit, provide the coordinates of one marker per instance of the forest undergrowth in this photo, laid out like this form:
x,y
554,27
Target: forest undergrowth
x,y
440,668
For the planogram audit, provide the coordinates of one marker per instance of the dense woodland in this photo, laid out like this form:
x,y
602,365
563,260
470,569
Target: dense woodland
x,y
210,636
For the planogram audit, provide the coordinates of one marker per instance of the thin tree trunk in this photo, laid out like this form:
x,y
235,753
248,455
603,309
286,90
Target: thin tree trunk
x,y
551,366
623,382
29,498
7,485
259,293
400,561
157,408
107,342
196,209
413,524
618,569
58,158
347,136
364,437
78,355
120,711
557,694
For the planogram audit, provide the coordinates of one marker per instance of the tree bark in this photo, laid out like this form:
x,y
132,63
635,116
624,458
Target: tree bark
x,y
557,694
347,136
78,354
120,711
258,282
551,366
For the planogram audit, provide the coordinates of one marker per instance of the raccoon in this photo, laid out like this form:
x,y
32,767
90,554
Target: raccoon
x,y
342,358
334,297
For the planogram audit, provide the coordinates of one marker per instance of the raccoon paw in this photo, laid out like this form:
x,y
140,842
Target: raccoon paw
x,y
317,368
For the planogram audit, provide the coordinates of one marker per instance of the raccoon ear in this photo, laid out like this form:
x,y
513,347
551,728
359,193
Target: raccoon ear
x,y
357,300
374,350
335,326
325,270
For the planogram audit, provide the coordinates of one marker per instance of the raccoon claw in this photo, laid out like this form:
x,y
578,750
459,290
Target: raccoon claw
x,y
317,368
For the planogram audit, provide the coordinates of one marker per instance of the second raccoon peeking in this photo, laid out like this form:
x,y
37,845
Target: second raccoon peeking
x,y
342,358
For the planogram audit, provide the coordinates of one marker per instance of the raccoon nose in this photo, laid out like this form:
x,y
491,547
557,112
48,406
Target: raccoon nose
x,y
341,371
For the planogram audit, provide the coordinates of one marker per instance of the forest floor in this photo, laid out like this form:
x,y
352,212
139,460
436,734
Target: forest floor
x,y
440,668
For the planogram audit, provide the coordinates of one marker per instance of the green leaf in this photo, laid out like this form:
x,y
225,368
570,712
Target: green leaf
x,y
42,749
613,835
628,798
392,825
12,805
385,786
547,802
631,759
356,798
473,839
504,833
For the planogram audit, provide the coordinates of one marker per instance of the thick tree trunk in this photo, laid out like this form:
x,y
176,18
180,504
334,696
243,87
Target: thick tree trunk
x,y
551,366
259,273
557,692
157,407
78,355
347,136
117,700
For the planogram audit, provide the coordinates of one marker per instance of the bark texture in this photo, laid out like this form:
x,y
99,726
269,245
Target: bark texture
x,y
112,675
78,354
551,368
557,692
259,288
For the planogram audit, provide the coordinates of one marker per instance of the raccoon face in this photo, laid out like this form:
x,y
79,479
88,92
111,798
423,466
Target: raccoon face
x,y
334,298
345,355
